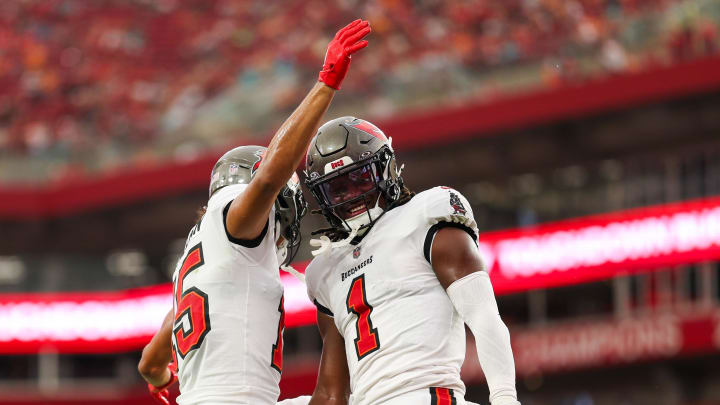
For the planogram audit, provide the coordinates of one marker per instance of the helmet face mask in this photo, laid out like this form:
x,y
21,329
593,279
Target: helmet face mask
x,y
351,172
350,192
290,208
352,196
238,166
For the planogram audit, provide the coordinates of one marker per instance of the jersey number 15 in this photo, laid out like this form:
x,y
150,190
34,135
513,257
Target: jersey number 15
x,y
193,303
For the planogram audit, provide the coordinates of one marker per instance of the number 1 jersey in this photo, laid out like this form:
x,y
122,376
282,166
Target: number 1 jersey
x,y
401,331
228,304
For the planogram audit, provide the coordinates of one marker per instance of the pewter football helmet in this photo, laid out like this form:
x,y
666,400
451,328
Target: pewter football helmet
x,y
349,166
238,166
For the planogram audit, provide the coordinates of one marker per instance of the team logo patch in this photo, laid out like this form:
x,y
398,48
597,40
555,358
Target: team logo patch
x,y
356,252
457,204
338,164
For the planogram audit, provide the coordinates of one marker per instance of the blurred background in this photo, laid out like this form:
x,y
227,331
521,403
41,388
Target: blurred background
x,y
585,134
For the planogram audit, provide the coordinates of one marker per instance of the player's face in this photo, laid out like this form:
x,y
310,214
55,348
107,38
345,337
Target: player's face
x,y
351,186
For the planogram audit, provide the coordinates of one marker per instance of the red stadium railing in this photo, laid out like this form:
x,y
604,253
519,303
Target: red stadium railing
x,y
414,131
550,255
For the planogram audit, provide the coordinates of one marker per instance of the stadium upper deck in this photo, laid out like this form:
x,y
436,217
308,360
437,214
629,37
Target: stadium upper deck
x,y
92,86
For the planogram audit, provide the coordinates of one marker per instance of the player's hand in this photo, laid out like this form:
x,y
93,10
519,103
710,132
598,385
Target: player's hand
x,y
161,394
347,41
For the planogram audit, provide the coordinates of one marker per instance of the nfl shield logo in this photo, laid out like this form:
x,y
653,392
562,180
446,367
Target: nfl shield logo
x,y
356,252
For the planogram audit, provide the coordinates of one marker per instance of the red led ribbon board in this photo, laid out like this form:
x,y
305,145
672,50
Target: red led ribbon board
x,y
599,247
105,322
550,255
85,322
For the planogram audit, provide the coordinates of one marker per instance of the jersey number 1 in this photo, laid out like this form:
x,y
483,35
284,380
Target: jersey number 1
x,y
192,303
368,340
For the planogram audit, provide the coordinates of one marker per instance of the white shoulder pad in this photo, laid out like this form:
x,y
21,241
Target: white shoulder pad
x,y
314,276
225,195
444,204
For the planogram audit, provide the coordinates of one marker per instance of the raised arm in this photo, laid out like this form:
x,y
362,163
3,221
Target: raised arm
x,y
459,269
333,384
156,356
247,215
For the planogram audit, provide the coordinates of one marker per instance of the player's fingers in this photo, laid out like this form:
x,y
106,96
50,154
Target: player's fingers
x,y
358,36
352,31
347,27
354,48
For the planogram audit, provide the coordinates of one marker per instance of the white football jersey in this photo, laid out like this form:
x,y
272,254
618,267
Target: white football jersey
x,y
229,317
401,331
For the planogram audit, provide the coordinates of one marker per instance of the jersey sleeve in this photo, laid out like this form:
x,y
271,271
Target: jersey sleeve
x,y
314,289
218,207
445,207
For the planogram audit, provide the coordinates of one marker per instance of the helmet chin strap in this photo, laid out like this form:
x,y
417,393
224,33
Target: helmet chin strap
x,y
291,270
326,245
282,252
355,224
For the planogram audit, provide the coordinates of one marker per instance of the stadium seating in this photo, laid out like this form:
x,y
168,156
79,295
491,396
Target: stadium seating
x,y
92,86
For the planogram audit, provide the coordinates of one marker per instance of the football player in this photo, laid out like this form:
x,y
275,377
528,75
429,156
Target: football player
x,y
225,330
395,279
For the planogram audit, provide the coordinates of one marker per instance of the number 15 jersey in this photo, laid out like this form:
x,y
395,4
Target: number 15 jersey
x,y
401,331
228,306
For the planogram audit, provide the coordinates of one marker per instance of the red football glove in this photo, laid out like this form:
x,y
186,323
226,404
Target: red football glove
x,y
347,41
161,394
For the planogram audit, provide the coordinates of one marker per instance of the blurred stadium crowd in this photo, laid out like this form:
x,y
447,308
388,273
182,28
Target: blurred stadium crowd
x,y
89,87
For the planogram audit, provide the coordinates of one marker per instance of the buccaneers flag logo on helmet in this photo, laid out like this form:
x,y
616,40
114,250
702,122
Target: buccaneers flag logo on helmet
x,y
261,156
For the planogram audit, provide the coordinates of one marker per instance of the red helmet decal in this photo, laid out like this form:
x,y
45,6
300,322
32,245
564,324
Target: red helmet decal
x,y
370,129
256,166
